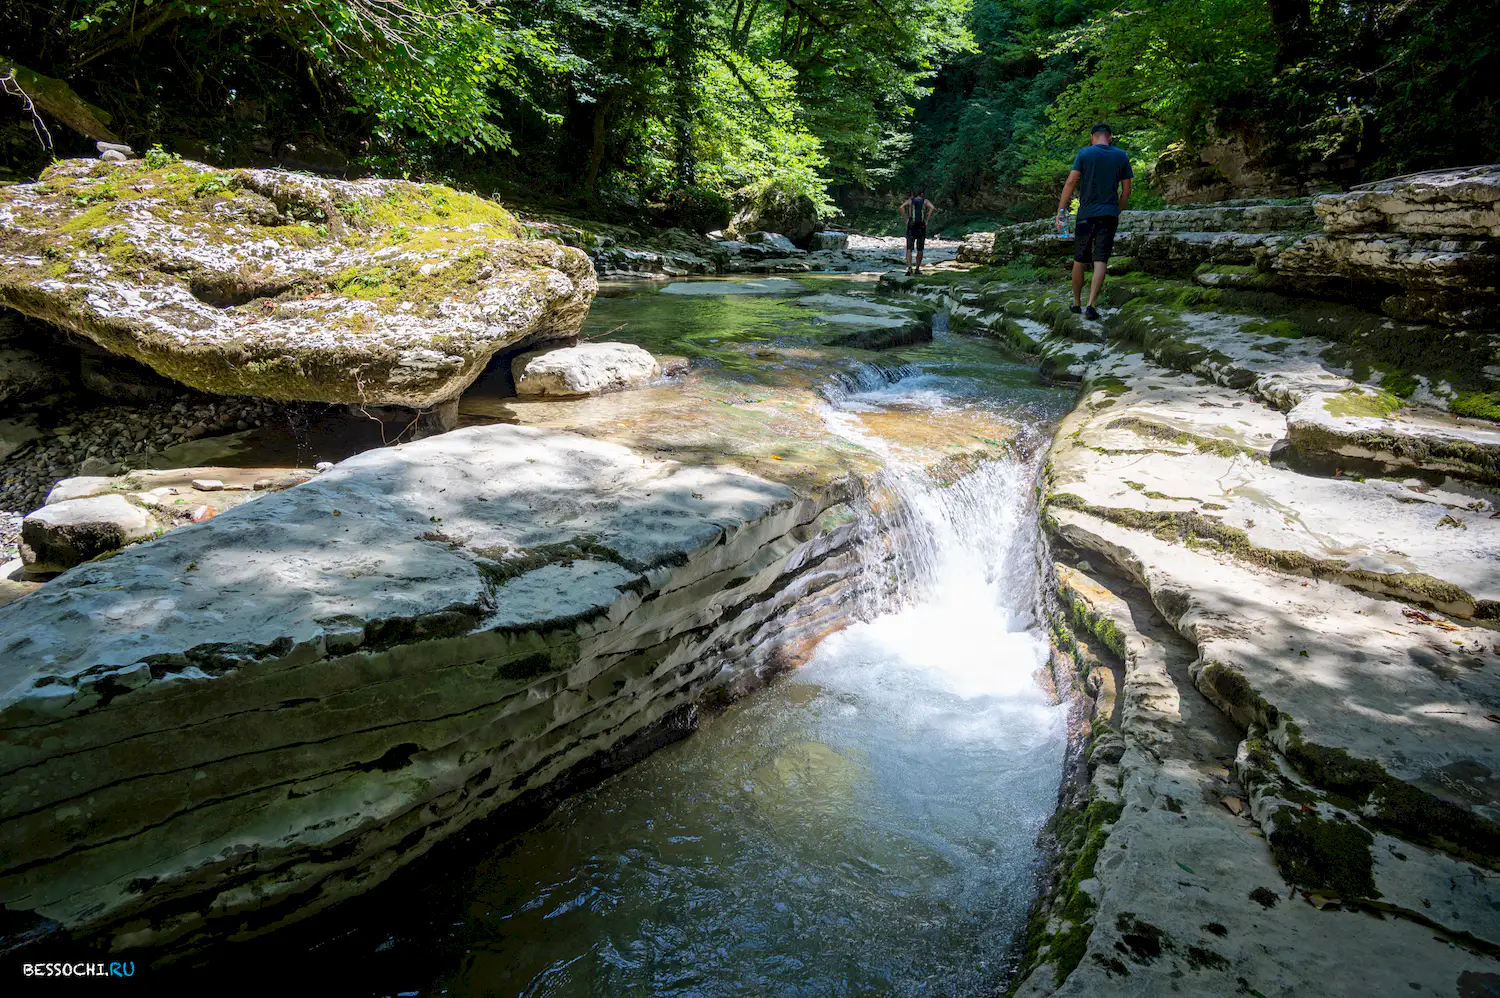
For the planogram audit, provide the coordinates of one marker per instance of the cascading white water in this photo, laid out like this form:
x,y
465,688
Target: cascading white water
x,y
866,825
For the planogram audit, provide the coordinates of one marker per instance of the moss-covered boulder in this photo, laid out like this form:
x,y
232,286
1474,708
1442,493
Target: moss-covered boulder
x,y
259,282
775,210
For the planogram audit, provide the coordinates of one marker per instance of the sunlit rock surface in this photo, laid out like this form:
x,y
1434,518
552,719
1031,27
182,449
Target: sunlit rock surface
x,y
253,718
257,282
1464,203
61,535
585,369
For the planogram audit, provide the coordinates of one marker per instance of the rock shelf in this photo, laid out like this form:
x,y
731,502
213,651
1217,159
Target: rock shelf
x,y
1277,556
1424,248
273,710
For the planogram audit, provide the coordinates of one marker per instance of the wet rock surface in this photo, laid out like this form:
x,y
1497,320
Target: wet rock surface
x,y
284,286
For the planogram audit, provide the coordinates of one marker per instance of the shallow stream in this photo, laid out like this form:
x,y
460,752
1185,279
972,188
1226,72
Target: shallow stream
x,y
867,824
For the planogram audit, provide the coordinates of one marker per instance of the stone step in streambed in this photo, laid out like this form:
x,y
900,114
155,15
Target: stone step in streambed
x,y
269,712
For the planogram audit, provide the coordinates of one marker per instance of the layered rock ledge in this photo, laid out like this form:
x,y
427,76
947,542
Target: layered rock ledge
x,y
1422,248
1278,571
269,712
291,287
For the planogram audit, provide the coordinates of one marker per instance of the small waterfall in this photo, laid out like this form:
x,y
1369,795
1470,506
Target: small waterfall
x,y
865,825
970,544
864,378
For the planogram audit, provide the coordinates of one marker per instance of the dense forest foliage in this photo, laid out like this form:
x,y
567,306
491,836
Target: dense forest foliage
x,y
687,103
1357,89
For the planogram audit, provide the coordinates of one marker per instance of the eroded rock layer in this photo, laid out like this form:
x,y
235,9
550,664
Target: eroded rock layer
x,y
256,717
292,287
1278,569
1423,248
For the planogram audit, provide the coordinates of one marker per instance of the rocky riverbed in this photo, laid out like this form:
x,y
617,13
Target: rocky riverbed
x,y
1276,536
1273,548
742,455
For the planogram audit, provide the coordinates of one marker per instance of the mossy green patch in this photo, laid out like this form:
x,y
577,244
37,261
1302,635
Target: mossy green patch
x,y
1329,853
1396,381
1476,405
1281,328
1167,434
431,205
1394,804
1081,838
1109,385
1363,402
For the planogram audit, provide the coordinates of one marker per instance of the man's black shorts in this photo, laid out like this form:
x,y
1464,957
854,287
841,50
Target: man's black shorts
x,y
916,237
1095,240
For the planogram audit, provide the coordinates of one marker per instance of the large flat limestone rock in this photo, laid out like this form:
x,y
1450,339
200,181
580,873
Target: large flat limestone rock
x,y
1287,365
1366,426
261,715
1303,791
1430,544
1348,672
257,282
1184,897
1463,202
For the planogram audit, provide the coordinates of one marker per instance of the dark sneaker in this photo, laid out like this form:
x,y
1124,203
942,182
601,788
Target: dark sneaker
x,y
908,271
1076,309
918,272
1091,313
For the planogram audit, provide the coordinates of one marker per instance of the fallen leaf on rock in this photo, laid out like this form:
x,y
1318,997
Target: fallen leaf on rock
x,y
1422,618
337,513
204,513
1308,808
1493,717
1321,901
1185,866
1234,805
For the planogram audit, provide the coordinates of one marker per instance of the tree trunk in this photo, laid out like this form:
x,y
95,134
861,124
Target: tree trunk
x,y
684,53
596,151
57,100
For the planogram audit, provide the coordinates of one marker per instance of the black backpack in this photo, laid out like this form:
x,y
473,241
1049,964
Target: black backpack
x,y
917,203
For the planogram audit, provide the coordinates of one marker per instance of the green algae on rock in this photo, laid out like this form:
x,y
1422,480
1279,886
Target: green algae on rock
x,y
259,282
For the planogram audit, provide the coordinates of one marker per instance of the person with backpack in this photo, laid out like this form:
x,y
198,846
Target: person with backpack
x,y
1101,174
916,212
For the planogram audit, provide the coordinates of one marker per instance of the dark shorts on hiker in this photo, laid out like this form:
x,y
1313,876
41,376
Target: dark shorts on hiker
x,y
1095,240
916,237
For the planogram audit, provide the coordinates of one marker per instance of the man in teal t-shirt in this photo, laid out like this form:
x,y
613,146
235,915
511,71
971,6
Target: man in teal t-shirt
x,y
1101,173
